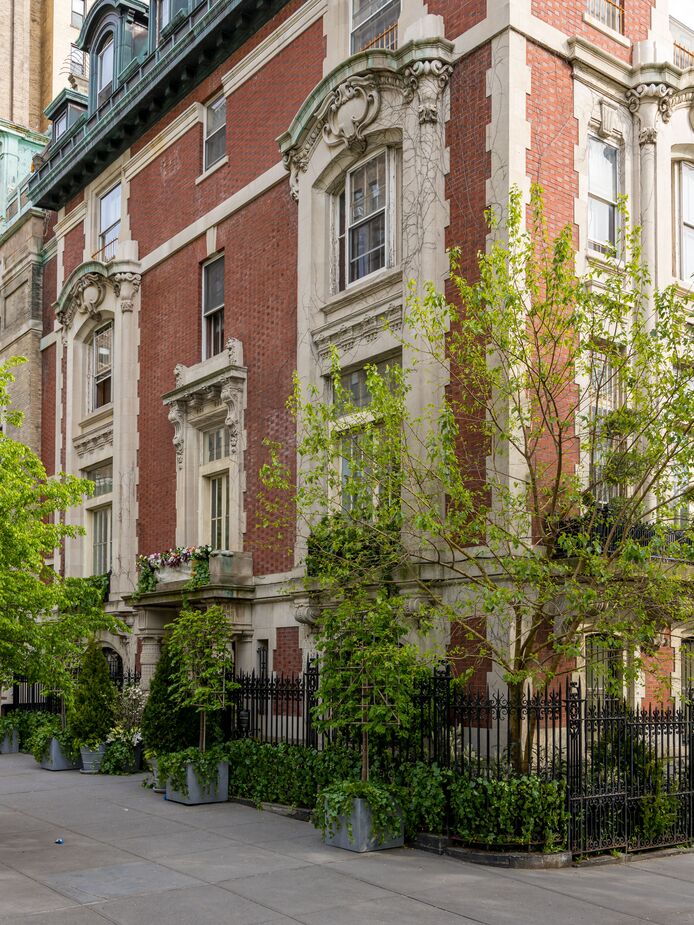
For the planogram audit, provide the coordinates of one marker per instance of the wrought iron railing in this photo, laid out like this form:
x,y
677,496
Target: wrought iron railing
x,y
683,57
387,39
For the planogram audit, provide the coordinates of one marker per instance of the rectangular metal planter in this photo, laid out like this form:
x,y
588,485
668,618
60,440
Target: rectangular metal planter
x,y
218,792
363,837
56,760
10,744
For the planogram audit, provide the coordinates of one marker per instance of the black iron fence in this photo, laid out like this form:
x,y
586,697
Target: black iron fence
x,y
628,773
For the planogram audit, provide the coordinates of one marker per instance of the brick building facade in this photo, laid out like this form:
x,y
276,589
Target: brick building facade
x,y
194,262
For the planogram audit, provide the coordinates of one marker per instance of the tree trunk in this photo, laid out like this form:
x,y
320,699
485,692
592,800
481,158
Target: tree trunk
x,y
517,729
203,730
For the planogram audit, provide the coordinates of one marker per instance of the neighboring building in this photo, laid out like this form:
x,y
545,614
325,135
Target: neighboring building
x,y
197,260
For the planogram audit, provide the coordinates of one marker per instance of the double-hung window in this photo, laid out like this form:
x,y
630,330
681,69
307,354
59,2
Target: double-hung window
x,y
363,222
375,24
603,191
100,516
605,398
109,223
216,483
213,307
360,436
101,366
215,131
105,61
686,269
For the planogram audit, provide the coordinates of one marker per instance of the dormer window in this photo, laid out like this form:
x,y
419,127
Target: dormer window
x,y
60,125
104,70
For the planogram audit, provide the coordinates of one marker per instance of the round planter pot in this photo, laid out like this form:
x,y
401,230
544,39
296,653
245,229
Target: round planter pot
x,y
91,760
362,837
56,760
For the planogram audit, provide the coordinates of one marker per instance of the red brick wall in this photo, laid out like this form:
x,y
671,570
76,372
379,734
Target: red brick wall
x,y
567,15
256,114
464,655
459,15
657,671
287,658
73,249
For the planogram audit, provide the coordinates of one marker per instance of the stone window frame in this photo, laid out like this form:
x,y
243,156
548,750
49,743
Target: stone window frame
x,y
95,507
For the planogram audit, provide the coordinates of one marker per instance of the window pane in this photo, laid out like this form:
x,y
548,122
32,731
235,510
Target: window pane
x,y
215,147
213,285
102,344
374,24
688,194
367,247
687,252
101,548
214,333
217,444
602,222
102,476
219,512
105,65
215,132
368,189
602,170
216,115
109,209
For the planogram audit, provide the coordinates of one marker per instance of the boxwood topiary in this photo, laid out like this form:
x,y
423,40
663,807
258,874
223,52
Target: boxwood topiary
x,y
166,726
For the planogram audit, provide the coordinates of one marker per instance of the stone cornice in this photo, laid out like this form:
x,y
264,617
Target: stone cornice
x,y
347,101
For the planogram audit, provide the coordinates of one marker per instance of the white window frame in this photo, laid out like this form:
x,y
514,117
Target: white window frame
x,y
603,247
206,163
218,309
74,15
374,44
108,38
107,243
390,222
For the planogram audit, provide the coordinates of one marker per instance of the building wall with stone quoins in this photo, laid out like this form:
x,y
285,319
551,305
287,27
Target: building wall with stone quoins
x,y
514,91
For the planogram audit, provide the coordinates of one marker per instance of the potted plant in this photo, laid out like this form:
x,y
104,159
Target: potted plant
x,y
365,692
9,732
53,746
92,714
166,726
200,650
123,753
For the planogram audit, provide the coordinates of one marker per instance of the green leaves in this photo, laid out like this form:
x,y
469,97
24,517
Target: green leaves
x,y
93,712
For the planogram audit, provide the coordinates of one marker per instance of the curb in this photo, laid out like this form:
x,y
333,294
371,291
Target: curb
x,y
518,860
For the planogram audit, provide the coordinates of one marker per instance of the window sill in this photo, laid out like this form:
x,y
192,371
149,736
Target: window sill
x,y
369,287
210,170
97,417
606,30
105,500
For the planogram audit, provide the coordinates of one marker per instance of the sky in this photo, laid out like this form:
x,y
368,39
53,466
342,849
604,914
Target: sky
x,y
684,11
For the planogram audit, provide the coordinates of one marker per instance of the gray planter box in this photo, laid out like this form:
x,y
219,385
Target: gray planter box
x,y
10,744
158,788
217,793
55,759
91,760
363,838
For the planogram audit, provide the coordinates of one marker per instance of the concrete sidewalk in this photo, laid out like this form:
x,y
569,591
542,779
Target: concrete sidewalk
x,y
132,858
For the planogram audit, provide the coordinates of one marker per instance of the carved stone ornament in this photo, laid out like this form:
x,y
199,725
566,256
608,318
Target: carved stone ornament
x,y
231,397
177,417
348,111
427,79
294,162
94,440
125,286
648,135
658,93
87,296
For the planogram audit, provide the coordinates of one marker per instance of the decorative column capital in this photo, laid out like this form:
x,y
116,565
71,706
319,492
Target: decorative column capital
x,y
649,101
125,286
428,79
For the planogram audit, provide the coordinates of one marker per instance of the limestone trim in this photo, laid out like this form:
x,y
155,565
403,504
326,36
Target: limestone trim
x,y
71,220
360,328
660,93
94,440
86,287
284,35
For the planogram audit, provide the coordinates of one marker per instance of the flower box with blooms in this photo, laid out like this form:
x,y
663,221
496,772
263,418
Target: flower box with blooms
x,y
183,563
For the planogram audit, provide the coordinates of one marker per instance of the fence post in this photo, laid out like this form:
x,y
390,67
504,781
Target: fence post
x,y
689,717
574,753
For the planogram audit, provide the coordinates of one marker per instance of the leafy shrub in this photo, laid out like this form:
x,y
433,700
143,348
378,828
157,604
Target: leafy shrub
x,y
337,800
119,757
50,727
25,722
166,726
93,712
421,791
518,811
173,767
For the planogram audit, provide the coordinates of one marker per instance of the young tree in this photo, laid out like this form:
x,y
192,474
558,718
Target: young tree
x,y
44,619
199,647
539,495
94,708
